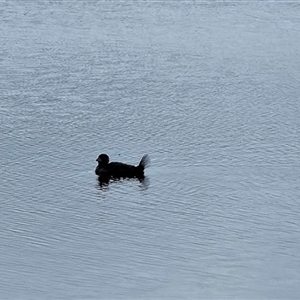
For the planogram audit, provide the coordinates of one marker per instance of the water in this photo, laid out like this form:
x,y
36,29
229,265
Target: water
x,y
210,90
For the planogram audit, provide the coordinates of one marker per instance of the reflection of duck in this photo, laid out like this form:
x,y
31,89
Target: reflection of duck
x,y
116,170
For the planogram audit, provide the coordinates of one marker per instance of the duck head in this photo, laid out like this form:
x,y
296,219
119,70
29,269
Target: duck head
x,y
103,159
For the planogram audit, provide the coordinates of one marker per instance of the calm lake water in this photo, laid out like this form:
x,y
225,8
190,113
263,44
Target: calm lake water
x,y
210,90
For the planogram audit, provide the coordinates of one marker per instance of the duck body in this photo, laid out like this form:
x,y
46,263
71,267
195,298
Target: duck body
x,y
116,170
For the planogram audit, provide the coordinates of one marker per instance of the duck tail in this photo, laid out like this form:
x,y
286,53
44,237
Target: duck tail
x,y
145,162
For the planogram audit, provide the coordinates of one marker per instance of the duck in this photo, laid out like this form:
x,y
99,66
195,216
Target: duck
x,y
116,170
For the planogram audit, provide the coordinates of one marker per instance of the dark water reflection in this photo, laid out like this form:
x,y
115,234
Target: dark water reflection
x,y
143,183
209,90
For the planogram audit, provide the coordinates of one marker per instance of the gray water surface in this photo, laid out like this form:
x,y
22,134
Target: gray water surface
x,y
210,90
